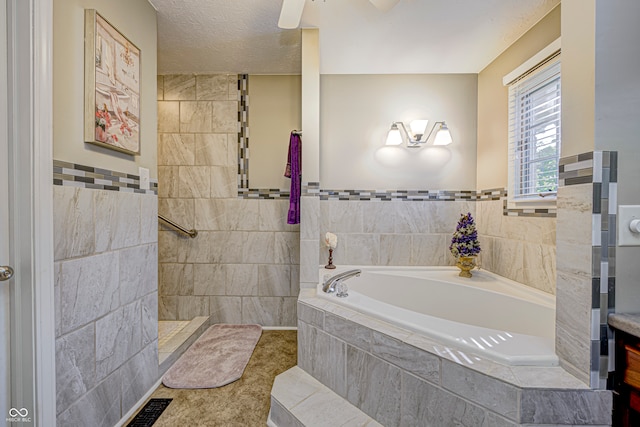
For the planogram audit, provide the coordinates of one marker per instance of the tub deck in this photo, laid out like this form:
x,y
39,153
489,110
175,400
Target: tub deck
x,y
352,354
488,315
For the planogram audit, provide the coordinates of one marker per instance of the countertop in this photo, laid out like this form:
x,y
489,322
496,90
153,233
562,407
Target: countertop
x,y
626,322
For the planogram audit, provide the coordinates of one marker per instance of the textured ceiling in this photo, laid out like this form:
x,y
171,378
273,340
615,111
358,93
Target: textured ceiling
x,y
416,36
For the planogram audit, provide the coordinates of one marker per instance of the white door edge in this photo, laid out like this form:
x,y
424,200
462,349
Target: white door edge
x,y
32,236
5,379
44,307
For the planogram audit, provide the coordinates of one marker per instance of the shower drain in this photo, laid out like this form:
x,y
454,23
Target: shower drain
x,y
150,413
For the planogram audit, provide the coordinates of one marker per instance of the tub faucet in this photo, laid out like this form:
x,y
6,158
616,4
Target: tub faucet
x,y
329,285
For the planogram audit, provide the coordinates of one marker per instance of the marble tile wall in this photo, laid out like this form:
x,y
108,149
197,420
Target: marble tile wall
x,y
390,232
521,248
400,378
106,283
396,232
243,267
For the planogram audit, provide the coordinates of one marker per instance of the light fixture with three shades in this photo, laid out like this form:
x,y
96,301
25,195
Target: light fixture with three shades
x,y
416,136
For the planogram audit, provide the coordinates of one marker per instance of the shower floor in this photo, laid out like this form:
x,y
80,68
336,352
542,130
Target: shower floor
x,y
175,336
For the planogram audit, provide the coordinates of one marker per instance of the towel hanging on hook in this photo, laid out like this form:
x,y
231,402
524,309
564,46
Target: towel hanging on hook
x,y
293,170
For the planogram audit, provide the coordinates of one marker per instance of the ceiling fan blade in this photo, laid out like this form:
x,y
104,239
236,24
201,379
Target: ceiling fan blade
x,y
290,14
384,5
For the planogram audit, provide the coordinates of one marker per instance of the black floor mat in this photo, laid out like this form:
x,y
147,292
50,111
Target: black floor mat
x,y
148,415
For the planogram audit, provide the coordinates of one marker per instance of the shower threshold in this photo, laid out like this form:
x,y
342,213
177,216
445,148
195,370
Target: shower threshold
x,y
175,337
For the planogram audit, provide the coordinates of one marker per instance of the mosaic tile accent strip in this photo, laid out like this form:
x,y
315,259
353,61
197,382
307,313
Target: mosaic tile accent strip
x,y
578,169
532,212
603,261
599,168
310,188
261,193
313,189
243,135
426,195
404,195
75,175
492,194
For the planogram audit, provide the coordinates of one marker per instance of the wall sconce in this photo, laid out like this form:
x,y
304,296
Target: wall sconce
x,y
416,138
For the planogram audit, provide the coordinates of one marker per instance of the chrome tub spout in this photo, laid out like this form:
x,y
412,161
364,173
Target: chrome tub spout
x,y
329,285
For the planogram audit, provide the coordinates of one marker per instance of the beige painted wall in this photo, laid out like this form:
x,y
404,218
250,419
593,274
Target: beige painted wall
x,y
578,91
137,21
311,104
274,110
493,119
356,112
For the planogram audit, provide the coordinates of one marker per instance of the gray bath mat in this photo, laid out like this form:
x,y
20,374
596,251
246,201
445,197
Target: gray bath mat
x,y
217,358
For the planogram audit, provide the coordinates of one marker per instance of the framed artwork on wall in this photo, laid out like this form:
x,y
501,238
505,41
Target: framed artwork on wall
x,y
111,87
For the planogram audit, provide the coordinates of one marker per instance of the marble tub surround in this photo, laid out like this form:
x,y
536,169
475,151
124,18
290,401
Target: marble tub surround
x,y
390,233
297,399
349,353
244,265
520,248
106,302
402,228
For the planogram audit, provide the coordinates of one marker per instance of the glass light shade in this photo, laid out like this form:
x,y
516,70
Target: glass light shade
x,y
443,136
394,137
418,128
384,5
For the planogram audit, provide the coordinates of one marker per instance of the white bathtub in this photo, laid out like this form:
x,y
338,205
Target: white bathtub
x,y
487,314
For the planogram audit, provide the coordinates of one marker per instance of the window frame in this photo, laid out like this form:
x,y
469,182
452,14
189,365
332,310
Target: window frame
x,y
545,67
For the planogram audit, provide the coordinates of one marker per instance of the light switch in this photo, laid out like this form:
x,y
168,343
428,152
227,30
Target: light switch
x,y
144,178
628,217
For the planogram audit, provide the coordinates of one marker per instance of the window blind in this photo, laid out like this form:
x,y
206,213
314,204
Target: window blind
x,y
534,131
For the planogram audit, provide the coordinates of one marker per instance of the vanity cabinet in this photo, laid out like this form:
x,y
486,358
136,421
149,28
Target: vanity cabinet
x,y
626,407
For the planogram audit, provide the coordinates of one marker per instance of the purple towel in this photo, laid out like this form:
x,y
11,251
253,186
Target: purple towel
x,y
294,171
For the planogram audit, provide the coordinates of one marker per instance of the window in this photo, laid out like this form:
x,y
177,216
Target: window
x,y
534,134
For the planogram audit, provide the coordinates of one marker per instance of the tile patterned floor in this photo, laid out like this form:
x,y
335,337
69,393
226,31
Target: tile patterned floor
x,y
243,403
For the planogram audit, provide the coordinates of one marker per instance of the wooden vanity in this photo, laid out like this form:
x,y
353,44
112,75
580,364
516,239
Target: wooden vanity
x,y
626,403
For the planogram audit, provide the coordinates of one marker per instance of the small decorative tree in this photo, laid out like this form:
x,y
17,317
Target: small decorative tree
x,y
464,244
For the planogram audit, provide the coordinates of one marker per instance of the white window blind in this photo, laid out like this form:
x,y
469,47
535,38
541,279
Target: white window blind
x,y
534,132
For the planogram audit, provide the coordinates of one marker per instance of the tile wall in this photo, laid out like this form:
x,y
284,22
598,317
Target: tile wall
x,y
106,299
521,248
243,266
415,228
587,206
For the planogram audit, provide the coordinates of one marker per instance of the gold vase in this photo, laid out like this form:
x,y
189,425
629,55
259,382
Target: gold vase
x,y
466,264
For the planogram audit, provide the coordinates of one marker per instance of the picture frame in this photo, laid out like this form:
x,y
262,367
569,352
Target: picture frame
x,y
112,87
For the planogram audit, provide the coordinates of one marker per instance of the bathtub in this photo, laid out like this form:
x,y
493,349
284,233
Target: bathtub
x,y
488,315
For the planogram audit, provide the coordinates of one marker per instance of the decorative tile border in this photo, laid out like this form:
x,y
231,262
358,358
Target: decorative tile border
x,y
310,188
540,213
313,189
403,195
260,193
243,135
599,168
576,169
75,175
492,194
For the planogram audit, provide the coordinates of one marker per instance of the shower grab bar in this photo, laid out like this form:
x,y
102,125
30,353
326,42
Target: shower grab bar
x,y
191,233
